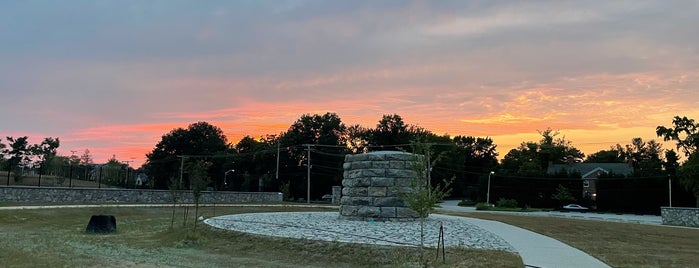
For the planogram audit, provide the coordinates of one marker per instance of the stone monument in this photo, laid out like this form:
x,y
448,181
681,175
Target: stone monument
x,y
371,186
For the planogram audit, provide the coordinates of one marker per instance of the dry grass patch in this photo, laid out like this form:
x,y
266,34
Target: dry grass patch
x,y
617,244
57,238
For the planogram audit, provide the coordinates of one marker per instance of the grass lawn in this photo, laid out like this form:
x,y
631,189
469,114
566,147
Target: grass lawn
x,y
57,238
617,244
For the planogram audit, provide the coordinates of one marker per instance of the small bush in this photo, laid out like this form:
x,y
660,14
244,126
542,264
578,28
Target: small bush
x,y
467,203
507,203
483,206
192,236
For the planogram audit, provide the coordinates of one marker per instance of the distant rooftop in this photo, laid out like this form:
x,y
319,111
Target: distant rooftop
x,y
585,168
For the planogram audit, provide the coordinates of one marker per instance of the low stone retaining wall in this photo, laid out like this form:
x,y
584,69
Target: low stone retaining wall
x,y
92,195
680,216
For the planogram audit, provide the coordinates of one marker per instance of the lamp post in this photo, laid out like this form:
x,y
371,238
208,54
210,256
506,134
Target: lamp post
x,y
487,196
669,188
225,178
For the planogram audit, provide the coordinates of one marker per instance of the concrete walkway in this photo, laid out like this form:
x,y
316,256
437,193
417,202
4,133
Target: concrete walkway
x,y
535,249
538,250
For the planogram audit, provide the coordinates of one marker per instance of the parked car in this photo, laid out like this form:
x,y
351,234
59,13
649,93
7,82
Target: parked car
x,y
327,197
574,207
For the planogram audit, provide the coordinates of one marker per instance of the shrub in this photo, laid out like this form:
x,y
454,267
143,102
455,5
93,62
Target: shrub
x,y
483,206
507,203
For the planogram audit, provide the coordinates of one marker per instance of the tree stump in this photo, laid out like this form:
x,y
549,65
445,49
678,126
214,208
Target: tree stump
x,y
102,224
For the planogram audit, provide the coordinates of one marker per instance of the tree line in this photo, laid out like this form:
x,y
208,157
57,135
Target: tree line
x,y
20,159
251,163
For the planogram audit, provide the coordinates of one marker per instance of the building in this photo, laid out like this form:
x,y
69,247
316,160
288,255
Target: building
x,y
590,173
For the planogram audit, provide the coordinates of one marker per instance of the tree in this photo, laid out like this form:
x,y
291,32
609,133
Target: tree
x,y
644,156
562,195
468,160
198,139
686,133
86,158
688,173
532,159
605,156
200,179
422,196
19,155
255,158
3,151
671,164
45,153
356,139
523,160
327,135
391,133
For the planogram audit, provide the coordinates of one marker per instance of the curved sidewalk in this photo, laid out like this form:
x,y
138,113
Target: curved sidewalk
x,y
535,249
538,250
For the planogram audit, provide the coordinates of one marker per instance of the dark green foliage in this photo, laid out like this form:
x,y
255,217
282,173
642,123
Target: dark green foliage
x,y
605,156
506,203
532,159
199,138
199,180
640,195
644,156
689,174
685,132
563,195
483,206
327,135
19,152
423,196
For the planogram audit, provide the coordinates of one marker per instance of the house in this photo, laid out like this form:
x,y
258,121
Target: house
x,y
590,173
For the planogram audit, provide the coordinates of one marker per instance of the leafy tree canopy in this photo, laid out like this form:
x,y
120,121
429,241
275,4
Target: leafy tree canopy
x,y
200,138
685,132
605,156
532,158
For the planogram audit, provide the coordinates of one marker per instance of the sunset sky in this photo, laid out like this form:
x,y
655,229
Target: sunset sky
x,y
114,76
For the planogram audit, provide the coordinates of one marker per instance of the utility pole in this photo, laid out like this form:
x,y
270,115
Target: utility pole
x,y
70,180
429,171
182,157
9,169
126,181
276,176
308,184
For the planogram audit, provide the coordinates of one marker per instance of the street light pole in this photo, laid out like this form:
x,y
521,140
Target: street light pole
x,y
225,178
669,188
487,198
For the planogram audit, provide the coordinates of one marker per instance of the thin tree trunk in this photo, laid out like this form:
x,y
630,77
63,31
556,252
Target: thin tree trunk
x,y
184,219
196,217
172,222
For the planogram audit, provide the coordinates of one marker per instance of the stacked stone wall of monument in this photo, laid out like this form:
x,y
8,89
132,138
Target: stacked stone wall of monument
x,y
92,195
372,184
